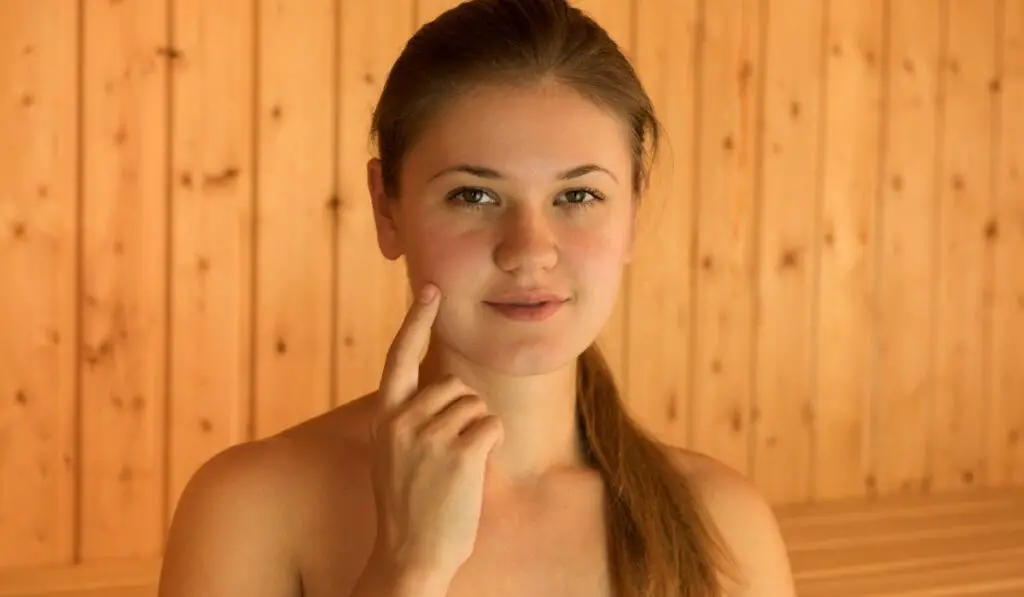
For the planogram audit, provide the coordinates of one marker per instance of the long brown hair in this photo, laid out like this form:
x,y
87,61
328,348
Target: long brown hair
x,y
660,541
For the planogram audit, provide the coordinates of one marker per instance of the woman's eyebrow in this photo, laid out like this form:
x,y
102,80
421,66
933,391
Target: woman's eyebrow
x,y
579,171
480,171
484,172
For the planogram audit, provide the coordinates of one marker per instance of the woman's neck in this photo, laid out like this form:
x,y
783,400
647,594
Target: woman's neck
x,y
537,412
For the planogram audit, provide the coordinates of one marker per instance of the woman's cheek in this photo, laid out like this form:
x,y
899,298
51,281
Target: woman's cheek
x,y
451,261
593,256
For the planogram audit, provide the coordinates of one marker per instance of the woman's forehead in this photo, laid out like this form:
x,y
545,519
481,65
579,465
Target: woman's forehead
x,y
532,130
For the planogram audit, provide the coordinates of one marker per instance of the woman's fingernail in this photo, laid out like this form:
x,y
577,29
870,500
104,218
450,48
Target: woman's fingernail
x,y
428,293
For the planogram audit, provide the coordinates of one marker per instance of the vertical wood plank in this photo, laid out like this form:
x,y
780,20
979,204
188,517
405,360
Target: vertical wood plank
x,y
124,220
615,16
38,259
211,263
787,260
1006,433
965,202
731,71
656,300
372,292
296,212
900,431
848,238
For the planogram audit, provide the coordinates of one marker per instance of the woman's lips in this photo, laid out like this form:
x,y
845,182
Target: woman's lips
x,y
538,311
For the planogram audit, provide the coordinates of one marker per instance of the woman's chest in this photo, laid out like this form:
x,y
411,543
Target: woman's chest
x,y
498,567
564,559
558,550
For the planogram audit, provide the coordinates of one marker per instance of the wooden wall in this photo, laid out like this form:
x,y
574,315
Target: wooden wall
x,y
829,293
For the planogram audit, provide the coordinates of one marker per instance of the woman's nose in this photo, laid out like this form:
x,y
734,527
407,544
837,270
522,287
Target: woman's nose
x,y
526,243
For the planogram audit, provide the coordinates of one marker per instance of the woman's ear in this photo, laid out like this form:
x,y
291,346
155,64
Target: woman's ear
x,y
383,212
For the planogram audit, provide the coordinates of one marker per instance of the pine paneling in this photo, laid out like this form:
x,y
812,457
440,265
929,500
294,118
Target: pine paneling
x,y
826,292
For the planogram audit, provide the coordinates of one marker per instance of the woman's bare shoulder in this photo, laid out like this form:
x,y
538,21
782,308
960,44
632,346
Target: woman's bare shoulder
x,y
230,519
345,427
745,520
243,511
705,471
336,437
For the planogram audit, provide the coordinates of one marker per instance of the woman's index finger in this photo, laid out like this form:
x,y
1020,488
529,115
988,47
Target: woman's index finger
x,y
400,377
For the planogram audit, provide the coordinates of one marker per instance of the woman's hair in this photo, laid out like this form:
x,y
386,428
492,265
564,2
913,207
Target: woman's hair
x,y
660,541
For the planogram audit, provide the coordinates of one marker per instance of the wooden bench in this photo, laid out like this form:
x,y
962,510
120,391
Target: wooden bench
x,y
958,545
969,545
128,578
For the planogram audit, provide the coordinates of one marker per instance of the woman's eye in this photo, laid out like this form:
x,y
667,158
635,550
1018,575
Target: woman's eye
x,y
471,197
581,198
474,198
577,195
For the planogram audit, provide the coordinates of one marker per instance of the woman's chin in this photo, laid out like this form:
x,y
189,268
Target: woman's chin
x,y
524,359
519,349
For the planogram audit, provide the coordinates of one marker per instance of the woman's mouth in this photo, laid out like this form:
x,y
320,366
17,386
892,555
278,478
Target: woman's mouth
x,y
527,311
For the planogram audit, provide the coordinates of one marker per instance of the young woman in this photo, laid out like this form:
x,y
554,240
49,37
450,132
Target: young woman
x,y
514,141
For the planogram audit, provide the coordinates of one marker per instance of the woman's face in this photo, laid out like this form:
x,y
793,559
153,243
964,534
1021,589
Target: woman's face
x,y
510,196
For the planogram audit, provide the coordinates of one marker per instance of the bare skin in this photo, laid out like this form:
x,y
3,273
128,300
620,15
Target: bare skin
x,y
295,514
548,541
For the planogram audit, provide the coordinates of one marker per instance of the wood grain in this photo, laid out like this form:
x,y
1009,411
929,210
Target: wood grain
x,y
729,133
124,215
213,174
39,244
787,261
826,293
1005,434
964,274
656,298
904,378
370,42
848,245
296,212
